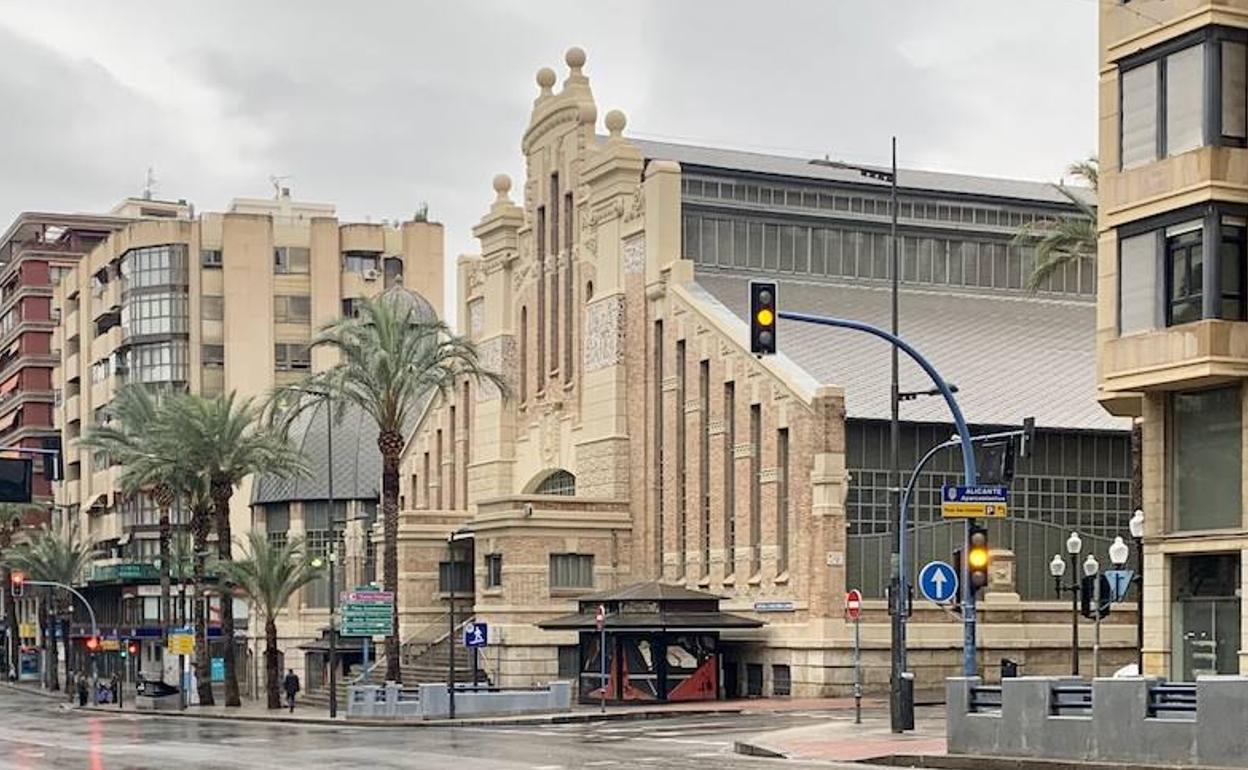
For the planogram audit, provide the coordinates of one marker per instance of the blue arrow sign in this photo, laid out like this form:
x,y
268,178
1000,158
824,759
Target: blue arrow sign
x,y
1119,583
476,635
938,582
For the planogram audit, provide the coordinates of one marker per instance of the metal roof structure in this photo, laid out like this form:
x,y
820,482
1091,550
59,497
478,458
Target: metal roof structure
x,y
1012,356
908,180
357,460
650,606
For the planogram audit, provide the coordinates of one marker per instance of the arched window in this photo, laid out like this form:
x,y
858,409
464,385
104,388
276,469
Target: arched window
x,y
558,483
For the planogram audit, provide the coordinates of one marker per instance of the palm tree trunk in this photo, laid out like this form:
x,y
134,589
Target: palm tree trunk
x,y
271,670
14,653
49,642
69,657
391,444
203,667
166,606
1137,464
222,491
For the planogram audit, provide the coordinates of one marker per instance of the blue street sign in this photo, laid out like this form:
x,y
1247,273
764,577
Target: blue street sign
x,y
977,502
938,582
476,635
1119,583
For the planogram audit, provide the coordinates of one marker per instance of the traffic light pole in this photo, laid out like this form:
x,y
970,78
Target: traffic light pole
x,y
965,440
95,629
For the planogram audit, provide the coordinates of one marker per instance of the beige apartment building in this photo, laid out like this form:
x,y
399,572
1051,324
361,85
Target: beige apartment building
x,y
219,302
643,442
1171,332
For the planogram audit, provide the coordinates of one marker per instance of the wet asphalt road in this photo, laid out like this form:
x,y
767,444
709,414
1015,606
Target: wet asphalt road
x,y
38,734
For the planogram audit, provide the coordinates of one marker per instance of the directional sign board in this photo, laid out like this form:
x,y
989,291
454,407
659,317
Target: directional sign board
x,y
938,582
978,502
476,635
367,613
1119,583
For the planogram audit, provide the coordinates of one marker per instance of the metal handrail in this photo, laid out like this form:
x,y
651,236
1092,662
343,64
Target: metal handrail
x,y
980,703
1071,697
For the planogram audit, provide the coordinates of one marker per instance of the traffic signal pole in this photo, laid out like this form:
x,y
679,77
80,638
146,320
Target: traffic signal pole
x,y
95,629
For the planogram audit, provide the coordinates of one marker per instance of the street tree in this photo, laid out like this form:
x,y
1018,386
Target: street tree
x,y
269,573
392,359
1062,240
224,439
55,556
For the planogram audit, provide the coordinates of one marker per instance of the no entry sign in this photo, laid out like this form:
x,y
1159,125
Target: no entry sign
x,y
853,604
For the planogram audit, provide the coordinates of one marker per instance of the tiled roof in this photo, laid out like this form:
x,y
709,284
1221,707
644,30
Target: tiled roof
x,y
357,460
1010,356
1023,191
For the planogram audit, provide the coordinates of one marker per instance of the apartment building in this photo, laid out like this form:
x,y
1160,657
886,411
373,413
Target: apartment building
x,y
1171,323
210,302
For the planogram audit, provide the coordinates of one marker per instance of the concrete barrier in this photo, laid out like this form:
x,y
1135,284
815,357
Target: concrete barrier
x,y
432,701
1130,720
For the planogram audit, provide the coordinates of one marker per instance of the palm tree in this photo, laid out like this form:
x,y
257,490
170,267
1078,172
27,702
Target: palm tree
x,y
1062,241
56,557
392,358
10,523
269,574
224,439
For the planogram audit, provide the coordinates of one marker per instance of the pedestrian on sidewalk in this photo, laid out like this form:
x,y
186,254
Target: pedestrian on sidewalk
x,y
82,690
291,685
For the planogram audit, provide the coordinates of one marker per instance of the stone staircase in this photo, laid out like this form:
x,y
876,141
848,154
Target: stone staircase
x,y
423,662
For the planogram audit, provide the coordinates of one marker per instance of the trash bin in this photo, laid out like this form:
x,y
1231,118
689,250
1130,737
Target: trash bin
x,y
157,696
1009,668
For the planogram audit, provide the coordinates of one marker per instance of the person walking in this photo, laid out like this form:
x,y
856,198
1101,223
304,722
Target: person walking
x,y
291,685
82,690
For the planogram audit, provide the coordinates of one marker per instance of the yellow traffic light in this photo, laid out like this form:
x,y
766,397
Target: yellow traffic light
x,y
765,317
979,558
762,318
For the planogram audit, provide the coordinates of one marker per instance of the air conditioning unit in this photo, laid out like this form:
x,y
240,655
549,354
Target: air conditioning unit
x,y
372,274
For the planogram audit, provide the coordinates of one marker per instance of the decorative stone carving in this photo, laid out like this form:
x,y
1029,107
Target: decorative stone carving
x,y
604,333
742,450
602,468
637,206
498,354
475,280
768,475
549,433
717,427
635,255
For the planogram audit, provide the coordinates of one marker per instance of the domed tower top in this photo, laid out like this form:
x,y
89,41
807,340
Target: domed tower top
x,y
403,298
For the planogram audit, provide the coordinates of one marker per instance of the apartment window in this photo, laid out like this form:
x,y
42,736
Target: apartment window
x,y
730,476
162,313
455,577
210,257
1137,283
1184,94
359,261
1231,259
352,307
291,259
101,370
160,362
292,356
213,355
212,308
155,266
782,501
493,570
292,309
682,458
571,570
1205,457
756,498
1185,271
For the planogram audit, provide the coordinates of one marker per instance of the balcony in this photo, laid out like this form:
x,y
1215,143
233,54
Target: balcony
x,y
1192,355
105,344
105,299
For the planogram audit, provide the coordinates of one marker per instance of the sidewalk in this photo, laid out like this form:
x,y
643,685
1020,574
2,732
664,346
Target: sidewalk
x,y
839,739
253,711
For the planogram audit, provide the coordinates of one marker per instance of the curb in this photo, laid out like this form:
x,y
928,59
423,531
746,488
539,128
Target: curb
x,y
757,750
538,719
32,690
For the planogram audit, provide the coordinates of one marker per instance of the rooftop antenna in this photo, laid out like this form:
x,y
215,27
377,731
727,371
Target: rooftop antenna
x,y
149,183
278,184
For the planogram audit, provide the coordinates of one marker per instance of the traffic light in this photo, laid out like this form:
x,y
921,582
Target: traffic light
x,y
17,583
763,312
977,558
132,647
93,644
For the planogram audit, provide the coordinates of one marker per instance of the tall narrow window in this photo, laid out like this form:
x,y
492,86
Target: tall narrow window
x,y
467,439
704,460
524,354
1137,283
1205,439
1231,264
1139,115
569,280
756,496
557,273
554,213
450,467
437,458
540,322
730,477
782,501
427,500
1234,91
682,458
1185,100
657,401
1185,267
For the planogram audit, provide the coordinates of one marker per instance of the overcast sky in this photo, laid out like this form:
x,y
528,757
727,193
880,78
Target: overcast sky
x,y
378,106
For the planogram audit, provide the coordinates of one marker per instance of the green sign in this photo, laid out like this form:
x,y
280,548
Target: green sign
x,y
367,613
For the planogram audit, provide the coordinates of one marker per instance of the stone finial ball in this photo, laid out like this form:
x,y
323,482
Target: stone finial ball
x,y
502,184
616,121
588,113
546,77
575,57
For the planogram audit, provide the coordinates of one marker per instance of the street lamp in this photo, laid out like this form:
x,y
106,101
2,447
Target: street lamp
x,y
1057,568
901,703
1092,569
1137,534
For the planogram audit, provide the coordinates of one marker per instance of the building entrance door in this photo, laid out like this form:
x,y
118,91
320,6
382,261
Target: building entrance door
x,y
1205,616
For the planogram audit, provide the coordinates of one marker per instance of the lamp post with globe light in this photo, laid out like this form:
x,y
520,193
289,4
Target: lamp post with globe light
x,y
1137,535
1092,571
1057,568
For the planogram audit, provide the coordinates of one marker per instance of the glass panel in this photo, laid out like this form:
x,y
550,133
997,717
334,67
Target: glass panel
x,y
1205,452
1231,264
1137,283
1186,267
1139,115
1234,89
1185,74
817,264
